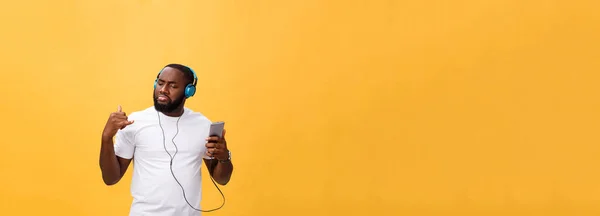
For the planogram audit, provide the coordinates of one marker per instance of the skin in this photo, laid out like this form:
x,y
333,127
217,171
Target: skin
x,y
171,83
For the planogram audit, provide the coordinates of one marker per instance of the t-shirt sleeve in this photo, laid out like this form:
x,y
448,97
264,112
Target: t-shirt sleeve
x,y
124,144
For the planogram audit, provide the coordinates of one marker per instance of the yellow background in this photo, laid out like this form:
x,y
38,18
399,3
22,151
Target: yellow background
x,y
463,107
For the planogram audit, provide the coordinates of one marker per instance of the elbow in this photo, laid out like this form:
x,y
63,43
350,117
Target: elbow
x,y
109,177
221,179
110,182
223,182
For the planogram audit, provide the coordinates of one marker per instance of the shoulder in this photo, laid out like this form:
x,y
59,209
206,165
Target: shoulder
x,y
143,114
141,119
196,116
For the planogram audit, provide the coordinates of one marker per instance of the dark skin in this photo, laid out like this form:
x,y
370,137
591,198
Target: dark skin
x,y
171,83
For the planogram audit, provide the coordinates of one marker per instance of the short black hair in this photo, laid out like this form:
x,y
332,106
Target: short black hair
x,y
187,72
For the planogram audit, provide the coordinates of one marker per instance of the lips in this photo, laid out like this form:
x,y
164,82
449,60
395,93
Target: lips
x,y
162,98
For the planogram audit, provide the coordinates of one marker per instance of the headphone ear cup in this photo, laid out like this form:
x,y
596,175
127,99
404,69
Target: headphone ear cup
x,y
190,90
154,83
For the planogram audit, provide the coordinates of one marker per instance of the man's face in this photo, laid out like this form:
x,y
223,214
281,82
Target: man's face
x,y
169,92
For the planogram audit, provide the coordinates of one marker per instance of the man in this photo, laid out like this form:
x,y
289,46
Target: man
x,y
169,143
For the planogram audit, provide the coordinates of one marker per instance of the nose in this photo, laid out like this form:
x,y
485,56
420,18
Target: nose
x,y
164,90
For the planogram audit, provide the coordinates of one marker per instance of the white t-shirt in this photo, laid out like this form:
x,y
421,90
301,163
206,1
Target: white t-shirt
x,y
154,190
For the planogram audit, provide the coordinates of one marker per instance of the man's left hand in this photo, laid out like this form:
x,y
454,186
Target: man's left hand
x,y
217,147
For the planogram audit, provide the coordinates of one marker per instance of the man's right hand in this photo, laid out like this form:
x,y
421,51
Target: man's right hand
x,y
116,121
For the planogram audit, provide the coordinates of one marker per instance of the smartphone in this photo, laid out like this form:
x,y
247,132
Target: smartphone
x,y
216,129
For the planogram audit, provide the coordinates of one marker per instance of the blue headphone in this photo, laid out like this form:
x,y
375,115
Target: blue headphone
x,y
190,89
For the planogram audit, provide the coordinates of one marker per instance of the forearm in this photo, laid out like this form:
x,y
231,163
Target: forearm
x,y
111,170
222,171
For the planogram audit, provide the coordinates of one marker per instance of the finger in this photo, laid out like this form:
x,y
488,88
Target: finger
x,y
212,139
119,122
210,145
119,116
223,133
125,123
210,151
119,109
221,145
210,154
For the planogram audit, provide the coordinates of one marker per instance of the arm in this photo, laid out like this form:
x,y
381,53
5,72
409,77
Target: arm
x,y
220,171
113,167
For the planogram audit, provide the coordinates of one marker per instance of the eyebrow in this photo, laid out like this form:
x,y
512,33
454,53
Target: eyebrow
x,y
168,82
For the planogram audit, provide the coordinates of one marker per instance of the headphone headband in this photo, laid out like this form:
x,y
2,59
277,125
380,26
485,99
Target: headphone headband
x,y
195,81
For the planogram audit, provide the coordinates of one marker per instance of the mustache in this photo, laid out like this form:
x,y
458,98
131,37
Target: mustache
x,y
163,96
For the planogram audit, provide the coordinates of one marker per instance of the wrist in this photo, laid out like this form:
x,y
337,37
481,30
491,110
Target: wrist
x,y
226,157
106,137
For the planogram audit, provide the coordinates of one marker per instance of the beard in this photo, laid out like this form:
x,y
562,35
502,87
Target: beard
x,y
169,107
